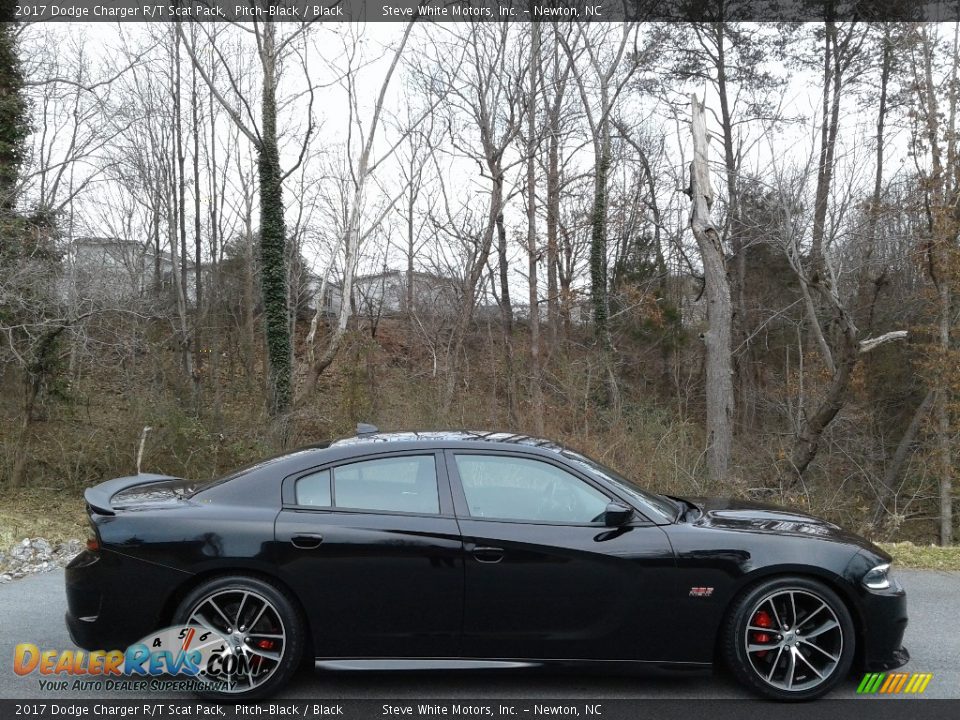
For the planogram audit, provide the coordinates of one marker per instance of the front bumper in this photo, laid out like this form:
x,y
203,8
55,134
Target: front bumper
x,y
885,621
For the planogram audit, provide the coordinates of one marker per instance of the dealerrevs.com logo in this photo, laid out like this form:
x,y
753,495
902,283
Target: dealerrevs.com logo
x,y
188,657
894,683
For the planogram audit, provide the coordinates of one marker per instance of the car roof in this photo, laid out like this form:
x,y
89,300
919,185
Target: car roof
x,y
367,443
448,438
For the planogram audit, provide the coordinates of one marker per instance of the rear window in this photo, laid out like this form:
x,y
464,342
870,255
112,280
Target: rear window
x,y
400,484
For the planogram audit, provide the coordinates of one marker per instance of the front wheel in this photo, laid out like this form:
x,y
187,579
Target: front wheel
x,y
262,631
789,639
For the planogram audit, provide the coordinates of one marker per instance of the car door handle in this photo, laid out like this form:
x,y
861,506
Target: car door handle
x,y
488,554
306,542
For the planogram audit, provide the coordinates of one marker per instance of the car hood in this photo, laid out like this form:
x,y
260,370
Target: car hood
x,y
753,517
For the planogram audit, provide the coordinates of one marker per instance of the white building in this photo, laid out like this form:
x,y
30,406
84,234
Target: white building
x,y
385,293
114,270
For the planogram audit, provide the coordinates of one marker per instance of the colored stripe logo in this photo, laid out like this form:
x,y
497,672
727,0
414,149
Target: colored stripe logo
x,y
894,683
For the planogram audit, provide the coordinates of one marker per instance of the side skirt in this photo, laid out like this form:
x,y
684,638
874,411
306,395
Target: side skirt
x,y
426,664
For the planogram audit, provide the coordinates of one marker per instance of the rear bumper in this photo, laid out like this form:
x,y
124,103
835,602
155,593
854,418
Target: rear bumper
x,y
90,634
114,600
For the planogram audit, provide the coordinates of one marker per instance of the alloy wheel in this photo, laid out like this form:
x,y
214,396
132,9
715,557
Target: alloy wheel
x,y
793,640
255,637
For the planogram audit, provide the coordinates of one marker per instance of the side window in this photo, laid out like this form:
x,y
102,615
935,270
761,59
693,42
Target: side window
x,y
314,489
512,488
399,484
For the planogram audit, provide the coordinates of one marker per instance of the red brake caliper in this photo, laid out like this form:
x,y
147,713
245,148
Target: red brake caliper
x,y
264,644
762,619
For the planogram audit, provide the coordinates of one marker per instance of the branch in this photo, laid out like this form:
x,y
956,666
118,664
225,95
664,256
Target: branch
x,y
871,343
230,110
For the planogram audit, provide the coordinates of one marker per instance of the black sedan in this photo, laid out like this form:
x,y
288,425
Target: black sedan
x,y
477,550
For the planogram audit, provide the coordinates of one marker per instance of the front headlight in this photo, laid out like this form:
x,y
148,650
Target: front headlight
x,y
878,578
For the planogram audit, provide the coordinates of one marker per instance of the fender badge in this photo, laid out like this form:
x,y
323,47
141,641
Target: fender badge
x,y
701,591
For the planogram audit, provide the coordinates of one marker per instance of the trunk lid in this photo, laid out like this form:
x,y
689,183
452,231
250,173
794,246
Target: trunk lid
x,y
137,492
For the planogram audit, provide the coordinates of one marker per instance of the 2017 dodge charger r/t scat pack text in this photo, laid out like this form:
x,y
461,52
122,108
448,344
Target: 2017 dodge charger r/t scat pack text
x,y
472,550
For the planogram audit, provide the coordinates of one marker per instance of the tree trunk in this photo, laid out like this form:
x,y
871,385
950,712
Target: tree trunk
x,y
536,390
719,383
198,249
553,220
811,430
273,271
828,138
740,326
180,224
249,309
506,305
598,247
841,351
944,435
890,475
411,239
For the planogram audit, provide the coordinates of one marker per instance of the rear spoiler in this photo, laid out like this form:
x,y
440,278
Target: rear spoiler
x,y
99,497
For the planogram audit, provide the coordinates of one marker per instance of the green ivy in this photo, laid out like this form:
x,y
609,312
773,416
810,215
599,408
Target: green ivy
x,y
14,118
273,270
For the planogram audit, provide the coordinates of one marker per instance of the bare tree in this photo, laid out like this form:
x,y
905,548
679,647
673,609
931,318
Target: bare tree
x,y
942,204
272,50
720,403
533,252
353,234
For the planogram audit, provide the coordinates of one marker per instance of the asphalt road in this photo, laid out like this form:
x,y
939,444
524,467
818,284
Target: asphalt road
x,y
31,610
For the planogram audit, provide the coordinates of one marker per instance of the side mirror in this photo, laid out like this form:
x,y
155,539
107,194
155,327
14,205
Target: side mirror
x,y
616,514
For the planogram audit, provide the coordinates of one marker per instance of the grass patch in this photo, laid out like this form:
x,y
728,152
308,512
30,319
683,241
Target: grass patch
x,y
927,557
55,515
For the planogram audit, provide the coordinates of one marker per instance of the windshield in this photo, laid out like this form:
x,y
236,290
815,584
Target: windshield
x,y
664,505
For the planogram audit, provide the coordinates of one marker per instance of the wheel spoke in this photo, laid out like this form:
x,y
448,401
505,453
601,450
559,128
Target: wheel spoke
x,y
791,667
793,604
809,617
202,622
826,627
776,615
833,658
259,615
776,661
758,648
809,664
243,600
266,635
220,612
216,640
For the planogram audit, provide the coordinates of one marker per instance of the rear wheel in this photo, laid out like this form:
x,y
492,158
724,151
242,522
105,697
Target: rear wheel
x,y
262,630
789,639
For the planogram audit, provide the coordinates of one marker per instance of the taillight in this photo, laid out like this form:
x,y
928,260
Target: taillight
x,y
93,542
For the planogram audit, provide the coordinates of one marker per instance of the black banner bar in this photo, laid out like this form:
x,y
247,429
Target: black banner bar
x,y
483,10
484,709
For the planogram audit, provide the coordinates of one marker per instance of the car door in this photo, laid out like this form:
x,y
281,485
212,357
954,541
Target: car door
x,y
373,550
545,578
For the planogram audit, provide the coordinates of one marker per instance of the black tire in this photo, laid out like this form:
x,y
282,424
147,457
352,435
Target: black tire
x,y
818,669
284,611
